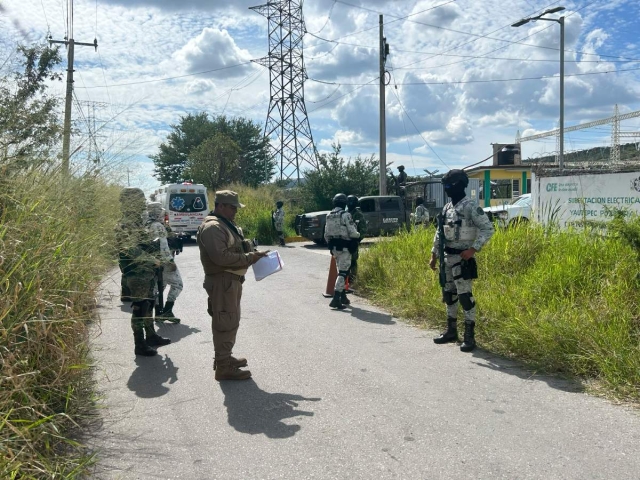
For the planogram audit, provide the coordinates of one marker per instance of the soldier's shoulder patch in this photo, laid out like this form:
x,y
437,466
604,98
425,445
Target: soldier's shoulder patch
x,y
480,211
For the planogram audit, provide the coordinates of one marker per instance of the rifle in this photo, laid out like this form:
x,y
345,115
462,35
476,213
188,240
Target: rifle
x,y
443,274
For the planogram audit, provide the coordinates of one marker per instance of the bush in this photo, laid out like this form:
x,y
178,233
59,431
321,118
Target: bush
x,y
560,301
55,241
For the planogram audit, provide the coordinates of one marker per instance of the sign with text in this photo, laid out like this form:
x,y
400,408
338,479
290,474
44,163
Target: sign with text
x,y
573,199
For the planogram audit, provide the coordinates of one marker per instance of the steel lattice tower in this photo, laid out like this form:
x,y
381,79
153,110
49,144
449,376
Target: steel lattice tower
x,y
287,121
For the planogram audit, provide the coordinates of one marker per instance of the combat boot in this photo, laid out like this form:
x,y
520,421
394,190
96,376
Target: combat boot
x,y
344,299
226,371
337,301
142,348
469,337
167,314
235,362
153,338
451,335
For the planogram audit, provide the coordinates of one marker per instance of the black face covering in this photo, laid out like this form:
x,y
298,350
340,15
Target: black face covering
x,y
455,191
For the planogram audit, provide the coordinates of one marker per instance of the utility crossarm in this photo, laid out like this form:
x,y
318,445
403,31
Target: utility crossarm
x,y
595,123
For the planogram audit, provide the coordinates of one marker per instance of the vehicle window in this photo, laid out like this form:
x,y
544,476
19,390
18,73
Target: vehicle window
x,y
368,205
389,204
187,202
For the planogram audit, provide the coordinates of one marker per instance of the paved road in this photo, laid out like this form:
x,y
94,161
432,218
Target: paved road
x,y
336,395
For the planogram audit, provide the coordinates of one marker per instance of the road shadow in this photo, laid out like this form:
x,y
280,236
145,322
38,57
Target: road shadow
x,y
370,316
314,246
512,367
254,411
150,375
175,331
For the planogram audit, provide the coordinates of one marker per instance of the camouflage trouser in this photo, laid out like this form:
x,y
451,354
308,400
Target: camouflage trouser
x,y
457,289
353,269
141,290
343,263
174,280
280,232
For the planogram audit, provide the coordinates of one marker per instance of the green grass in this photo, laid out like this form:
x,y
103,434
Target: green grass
x,y
255,218
55,241
562,302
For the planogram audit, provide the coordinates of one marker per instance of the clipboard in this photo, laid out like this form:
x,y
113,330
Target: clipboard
x,y
268,265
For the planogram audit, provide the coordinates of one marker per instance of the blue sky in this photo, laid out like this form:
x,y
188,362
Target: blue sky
x,y
456,71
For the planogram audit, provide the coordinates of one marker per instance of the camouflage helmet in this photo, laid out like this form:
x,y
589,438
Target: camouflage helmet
x,y
132,200
131,194
352,201
455,176
340,200
155,210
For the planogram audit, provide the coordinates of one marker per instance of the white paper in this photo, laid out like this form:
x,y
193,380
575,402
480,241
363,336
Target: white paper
x,y
268,265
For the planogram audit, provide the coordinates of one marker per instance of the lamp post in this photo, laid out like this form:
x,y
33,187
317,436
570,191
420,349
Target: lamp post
x,y
561,22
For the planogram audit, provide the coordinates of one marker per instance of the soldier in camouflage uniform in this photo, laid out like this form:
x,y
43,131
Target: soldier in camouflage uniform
x,y
138,260
170,273
421,217
361,226
278,222
341,236
466,230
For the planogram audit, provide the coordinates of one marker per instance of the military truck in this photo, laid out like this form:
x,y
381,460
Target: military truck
x,y
387,214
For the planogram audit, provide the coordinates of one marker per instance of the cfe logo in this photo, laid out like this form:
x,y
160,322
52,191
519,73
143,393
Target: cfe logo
x,y
552,187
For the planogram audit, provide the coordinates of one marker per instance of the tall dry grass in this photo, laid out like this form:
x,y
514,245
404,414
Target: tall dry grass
x,y
55,241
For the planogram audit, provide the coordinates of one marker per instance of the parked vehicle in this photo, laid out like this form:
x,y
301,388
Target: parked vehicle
x,y
186,206
388,213
519,210
384,214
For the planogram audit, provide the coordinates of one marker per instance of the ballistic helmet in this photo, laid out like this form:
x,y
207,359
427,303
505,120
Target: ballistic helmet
x,y
455,176
340,200
401,167
279,203
352,201
155,210
419,201
132,200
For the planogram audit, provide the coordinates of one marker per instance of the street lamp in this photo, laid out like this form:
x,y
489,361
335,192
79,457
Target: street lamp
x,y
561,22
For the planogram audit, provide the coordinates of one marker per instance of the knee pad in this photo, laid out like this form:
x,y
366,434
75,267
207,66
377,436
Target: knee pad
x,y
466,300
343,273
450,298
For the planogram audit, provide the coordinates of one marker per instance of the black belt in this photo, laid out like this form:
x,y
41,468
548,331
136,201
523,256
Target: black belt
x,y
452,251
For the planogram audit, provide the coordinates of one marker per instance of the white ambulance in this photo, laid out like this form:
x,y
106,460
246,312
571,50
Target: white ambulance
x,y
186,206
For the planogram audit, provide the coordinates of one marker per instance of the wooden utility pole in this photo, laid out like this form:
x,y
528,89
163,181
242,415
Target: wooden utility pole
x,y
70,44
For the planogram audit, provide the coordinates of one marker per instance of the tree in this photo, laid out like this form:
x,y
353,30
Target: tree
x,y
255,164
335,175
29,123
215,162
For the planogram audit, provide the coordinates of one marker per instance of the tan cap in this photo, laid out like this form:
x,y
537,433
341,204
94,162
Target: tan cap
x,y
228,197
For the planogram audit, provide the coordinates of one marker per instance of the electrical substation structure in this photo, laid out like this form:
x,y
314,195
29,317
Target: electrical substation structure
x,y
287,126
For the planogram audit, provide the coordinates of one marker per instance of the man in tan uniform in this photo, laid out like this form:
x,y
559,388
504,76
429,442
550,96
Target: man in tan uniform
x,y
225,257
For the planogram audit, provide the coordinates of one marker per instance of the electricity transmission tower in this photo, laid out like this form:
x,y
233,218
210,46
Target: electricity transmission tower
x,y
287,121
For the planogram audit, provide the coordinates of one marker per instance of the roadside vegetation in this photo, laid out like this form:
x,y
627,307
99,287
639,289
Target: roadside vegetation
x,y
260,202
563,302
55,241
